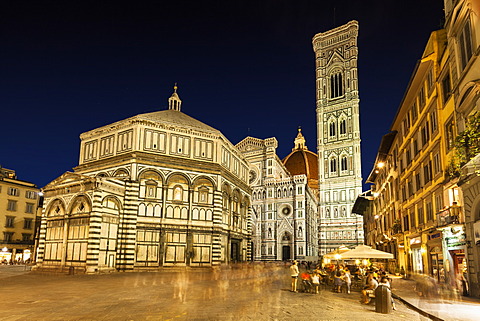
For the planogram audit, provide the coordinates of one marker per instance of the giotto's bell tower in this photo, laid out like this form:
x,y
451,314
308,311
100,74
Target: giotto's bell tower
x,y
338,132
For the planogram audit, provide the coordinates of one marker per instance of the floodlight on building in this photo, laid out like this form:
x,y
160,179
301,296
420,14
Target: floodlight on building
x,y
381,165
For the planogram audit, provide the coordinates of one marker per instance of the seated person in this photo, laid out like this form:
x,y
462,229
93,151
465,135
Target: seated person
x,y
306,281
372,284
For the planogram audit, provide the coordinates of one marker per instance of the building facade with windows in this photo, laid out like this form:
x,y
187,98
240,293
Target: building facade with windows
x,y
425,211
19,202
284,200
414,197
160,189
462,22
338,132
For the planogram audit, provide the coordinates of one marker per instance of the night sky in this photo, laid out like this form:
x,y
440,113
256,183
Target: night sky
x,y
244,67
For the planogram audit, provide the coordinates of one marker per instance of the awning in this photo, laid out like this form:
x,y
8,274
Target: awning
x,y
361,205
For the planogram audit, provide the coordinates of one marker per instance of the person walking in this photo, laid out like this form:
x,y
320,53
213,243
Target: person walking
x,y
315,281
347,278
294,274
337,281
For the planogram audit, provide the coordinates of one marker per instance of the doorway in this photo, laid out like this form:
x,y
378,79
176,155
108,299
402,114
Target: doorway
x,y
234,251
286,250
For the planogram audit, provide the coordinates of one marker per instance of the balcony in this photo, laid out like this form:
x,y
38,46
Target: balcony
x,y
449,215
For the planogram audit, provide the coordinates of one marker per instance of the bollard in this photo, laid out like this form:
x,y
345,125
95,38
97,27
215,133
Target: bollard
x,y
383,299
71,270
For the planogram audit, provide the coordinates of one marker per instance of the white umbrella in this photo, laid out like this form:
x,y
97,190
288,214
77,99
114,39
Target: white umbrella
x,y
334,254
366,252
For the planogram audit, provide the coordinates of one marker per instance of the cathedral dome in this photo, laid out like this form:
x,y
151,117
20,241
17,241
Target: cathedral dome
x,y
302,161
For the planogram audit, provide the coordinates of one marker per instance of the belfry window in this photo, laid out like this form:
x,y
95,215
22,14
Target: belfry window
x,y
333,165
344,166
332,129
343,127
336,85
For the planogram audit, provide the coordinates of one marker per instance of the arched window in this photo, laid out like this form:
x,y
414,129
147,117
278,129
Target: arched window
x,y
327,213
333,165
335,212
343,164
343,127
332,129
336,85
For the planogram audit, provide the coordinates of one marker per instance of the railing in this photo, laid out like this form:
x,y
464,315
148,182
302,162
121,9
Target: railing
x,y
449,215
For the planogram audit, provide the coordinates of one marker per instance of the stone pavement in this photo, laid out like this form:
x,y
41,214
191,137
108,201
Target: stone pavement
x,y
258,292
438,307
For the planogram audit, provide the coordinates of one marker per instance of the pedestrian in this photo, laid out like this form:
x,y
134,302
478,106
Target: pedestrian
x,y
337,281
294,274
315,281
306,281
347,278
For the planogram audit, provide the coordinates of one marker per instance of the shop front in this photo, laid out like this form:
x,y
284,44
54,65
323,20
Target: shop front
x,y
14,255
435,256
416,255
454,245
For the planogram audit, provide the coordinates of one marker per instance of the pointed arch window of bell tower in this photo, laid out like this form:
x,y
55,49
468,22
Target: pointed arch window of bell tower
x,y
174,102
336,85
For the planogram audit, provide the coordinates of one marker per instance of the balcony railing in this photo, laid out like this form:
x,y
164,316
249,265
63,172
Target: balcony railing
x,y
449,215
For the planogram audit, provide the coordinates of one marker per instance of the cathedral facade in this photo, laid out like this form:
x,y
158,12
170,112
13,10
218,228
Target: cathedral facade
x,y
284,200
338,130
159,189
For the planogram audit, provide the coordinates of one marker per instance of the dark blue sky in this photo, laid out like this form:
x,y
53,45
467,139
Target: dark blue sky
x,y
244,67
